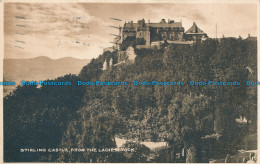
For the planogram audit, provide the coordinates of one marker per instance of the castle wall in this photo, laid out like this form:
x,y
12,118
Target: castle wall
x,y
127,56
144,33
128,33
159,34
180,35
148,37
194,37
130,54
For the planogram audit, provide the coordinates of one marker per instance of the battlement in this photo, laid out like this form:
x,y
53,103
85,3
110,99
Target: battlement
x,y
161,24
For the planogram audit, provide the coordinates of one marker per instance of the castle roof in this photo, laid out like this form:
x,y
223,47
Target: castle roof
x,y
194,30
171,25
161,24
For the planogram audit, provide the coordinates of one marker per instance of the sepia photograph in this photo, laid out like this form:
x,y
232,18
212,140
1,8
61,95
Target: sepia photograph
x,y
129,82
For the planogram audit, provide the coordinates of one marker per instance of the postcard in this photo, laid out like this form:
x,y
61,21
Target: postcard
x,y
129,82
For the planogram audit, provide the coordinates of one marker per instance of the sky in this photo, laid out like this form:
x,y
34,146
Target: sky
x,y
82,30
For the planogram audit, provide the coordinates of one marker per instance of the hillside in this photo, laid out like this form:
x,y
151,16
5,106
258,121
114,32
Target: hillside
x,y
198,120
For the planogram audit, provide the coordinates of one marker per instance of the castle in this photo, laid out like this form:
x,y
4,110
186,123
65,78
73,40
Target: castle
x,y
150,35
156,33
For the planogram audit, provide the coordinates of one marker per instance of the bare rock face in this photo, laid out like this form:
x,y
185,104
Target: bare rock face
x,y
104,68
127,56
131,54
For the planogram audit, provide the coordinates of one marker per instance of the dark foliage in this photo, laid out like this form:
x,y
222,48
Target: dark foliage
x,y
198,118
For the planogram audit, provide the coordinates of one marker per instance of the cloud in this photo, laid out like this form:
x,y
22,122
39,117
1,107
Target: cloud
x,y
49,25
80,30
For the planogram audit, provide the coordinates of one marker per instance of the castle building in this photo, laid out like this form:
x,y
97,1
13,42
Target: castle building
x,y
194,33
150,33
